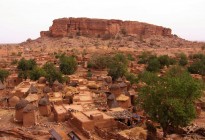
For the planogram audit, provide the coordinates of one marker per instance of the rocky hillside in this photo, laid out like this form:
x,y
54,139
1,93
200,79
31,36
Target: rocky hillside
x,y
101,28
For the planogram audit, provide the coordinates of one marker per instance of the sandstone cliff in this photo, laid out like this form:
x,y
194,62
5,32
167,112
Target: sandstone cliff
x,y
101,27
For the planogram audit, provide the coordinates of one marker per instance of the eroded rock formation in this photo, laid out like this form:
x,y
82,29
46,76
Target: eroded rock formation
x,y
101,27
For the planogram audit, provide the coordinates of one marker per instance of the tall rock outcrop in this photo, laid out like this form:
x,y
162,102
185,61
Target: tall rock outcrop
x,y
102,27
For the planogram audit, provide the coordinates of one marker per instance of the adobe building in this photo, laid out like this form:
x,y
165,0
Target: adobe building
x,y
44,107
19,110
59,113
89,119
30,115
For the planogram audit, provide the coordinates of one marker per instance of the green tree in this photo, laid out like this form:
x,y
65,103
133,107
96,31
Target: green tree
x,y
51,73
169,100
68,64
117,67
25,66
145,57
131,77
3,75
99,61
197,67
164,60
36,73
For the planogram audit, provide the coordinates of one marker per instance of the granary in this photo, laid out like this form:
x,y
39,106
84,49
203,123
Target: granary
x,y
19,110
133,95
44,107
59,113
123,86
46,89
13,101
115,89
111,101
30,115
57,86
33,89
42,80
123,101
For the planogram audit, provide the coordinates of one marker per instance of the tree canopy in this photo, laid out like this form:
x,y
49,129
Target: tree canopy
x,y
52,73
169,100
68,64
3,75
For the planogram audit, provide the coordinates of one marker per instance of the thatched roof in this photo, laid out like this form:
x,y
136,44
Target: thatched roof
x,y
46,89
43,102
111,97
42,80
114,86
122,84
2,86
29,108
33,89
56,83
114,104
21,104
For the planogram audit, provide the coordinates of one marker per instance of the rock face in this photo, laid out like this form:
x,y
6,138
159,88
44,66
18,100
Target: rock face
x,y
102,27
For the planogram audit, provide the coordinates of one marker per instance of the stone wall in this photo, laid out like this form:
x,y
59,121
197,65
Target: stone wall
x,y
102,27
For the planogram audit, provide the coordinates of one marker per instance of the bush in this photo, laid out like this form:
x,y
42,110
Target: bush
x,y
145,57
153,65
36,73
68,64
99,61
164,60
183,59
131,77
197,67
3,75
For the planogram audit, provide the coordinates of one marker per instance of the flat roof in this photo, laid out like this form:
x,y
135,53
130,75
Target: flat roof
x,y
59,109
81,117
88,113
73,106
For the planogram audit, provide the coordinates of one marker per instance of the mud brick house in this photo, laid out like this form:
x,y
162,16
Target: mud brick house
x,y
59,113
89,119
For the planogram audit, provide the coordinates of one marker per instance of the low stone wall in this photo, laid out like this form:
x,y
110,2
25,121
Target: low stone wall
x,y
109,135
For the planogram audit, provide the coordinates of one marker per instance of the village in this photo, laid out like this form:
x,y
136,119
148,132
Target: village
x,y
91,99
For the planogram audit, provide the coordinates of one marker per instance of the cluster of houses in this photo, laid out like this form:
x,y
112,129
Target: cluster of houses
x,y
86,103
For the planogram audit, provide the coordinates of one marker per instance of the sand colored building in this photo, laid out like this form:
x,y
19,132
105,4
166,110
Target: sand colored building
x,y
89,119
59,113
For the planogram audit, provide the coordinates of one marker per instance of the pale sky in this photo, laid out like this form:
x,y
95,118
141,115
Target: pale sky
x,y
23,19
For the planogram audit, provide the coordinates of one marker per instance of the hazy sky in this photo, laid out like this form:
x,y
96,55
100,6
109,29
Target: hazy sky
x,y
22,19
